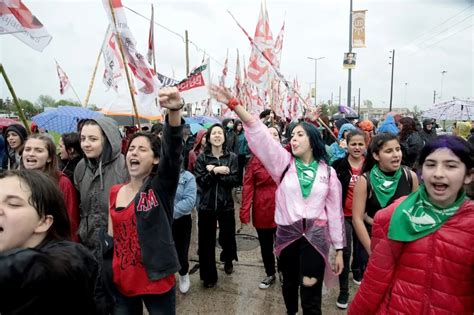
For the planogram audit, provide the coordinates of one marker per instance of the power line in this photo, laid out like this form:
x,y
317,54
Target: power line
x,y
459,31
446,29
445,21
177,34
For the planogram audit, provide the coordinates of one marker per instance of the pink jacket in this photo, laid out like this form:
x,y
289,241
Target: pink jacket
x,y
323,204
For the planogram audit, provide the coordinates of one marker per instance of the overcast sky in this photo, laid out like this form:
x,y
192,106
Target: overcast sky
x,y
317,28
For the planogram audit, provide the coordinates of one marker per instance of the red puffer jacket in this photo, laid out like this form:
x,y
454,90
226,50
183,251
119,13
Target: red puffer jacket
x,y
432,275
259,189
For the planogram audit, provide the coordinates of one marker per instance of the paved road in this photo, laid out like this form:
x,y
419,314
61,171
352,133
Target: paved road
x,y
239,293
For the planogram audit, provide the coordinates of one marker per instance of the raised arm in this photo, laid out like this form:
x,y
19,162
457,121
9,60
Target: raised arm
x,y
172,141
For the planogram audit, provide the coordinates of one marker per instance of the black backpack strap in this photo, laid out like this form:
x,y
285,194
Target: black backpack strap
x,y
284,172
409,177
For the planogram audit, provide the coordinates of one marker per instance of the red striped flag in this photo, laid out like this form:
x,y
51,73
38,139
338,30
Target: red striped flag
x,y
151,38
63,79
17,19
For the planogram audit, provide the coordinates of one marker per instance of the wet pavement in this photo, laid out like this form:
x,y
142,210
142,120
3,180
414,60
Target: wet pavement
x,y
239,293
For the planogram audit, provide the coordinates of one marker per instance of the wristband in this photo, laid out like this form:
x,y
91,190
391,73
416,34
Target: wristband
x,y
339,250
180,107
232,103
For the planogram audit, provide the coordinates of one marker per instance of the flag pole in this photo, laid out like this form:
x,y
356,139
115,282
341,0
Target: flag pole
x,y
75,93
153,43
91,83
15,99
280,75
119,40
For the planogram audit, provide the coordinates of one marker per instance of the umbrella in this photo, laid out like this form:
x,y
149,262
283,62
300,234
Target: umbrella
x,y
451,110
206,119
5,122
63,119
195,128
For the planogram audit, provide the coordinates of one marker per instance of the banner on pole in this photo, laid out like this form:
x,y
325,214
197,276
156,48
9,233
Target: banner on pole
x,y
358,29
17,19
112,61
349,60
194,89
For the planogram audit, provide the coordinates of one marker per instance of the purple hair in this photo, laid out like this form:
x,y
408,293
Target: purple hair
x,y
460,147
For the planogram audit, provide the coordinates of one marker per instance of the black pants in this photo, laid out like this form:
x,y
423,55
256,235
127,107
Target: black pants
x,y
266,237
350,249
207,241
182,238
298,260
242,160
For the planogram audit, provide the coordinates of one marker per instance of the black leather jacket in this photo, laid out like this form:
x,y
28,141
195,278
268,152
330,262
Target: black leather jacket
x,y
216,189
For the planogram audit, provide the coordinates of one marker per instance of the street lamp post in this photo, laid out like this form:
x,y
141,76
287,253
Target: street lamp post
x,y
315,76
442,79
406,85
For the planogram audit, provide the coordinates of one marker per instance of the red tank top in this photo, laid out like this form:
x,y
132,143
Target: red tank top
x,y
129,274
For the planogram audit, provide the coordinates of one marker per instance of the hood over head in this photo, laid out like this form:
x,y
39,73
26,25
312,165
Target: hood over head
x,y
344,128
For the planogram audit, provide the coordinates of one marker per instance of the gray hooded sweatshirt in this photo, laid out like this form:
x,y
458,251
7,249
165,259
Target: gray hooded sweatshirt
x,y
93,179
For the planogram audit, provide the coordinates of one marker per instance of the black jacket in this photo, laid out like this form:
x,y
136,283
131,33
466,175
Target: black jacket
x,y
154,208
344,173
411,148
216,189
57,277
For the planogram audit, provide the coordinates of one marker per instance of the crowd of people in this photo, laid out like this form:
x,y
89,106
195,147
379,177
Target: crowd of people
x,y
386,205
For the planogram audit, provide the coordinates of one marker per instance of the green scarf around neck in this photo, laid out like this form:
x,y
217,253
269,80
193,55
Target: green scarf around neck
x,y
383,185
306,176
416,216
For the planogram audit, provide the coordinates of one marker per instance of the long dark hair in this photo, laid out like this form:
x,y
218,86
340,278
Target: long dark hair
x,y
208,147
408,127
377,143
155,144
72,140
51,168
47,199
315,141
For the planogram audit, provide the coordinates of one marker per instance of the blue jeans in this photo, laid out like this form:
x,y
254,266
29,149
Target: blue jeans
x,y
156,304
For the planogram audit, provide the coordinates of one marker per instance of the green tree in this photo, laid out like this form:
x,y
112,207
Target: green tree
x,y
68,102
28,108
45,101
368,104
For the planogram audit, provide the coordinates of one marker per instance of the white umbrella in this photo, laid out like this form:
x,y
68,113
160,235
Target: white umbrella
x,y
451,110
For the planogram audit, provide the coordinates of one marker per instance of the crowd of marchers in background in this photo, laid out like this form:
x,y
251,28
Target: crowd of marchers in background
x,y
106,213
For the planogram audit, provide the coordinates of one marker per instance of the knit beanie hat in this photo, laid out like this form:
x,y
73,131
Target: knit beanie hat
x,y
18,129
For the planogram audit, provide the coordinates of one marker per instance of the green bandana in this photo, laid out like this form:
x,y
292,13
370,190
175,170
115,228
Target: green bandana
x,y
306,175
416,216
384,186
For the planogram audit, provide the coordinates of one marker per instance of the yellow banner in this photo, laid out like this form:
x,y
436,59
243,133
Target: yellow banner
x,y
358,29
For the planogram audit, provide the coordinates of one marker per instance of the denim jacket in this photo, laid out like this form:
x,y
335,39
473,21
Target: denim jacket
x,y
185,198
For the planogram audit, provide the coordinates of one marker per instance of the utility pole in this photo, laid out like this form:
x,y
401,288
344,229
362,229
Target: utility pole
x,y
434,97
406,85
358,106
391,82
315,76
332,99
339,95
349,73
442,79
187,51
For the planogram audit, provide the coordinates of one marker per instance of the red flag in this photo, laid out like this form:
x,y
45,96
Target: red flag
x,y
16,19
147,83
258,70
151,38
63,79
238,79
224,71
279,46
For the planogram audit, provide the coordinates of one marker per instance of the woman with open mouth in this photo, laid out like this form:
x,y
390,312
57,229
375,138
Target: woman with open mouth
x,y
423,259
39,154
383,181
308,210
144,257
41,271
